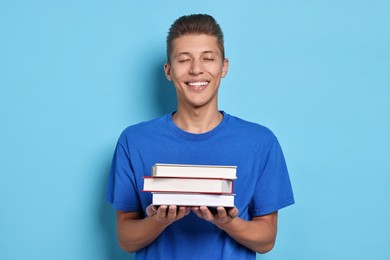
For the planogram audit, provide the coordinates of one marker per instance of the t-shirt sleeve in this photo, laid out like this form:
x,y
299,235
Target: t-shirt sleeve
x,y
273,190
121,189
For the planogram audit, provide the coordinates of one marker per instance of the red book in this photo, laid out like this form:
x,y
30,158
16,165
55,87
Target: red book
x,y
188,185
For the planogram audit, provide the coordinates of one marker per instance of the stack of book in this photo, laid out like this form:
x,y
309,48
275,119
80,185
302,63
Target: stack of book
x,y
191,185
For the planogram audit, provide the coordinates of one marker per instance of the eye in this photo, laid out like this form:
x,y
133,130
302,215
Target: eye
x,y
208,59
184,60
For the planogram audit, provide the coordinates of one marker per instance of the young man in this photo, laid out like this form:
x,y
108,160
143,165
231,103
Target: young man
x,y
198,133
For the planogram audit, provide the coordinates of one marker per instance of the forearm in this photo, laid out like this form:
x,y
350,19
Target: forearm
x,y
134,234
258,235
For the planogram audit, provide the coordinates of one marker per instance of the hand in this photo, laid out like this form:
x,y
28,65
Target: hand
x,y
221,217
165,214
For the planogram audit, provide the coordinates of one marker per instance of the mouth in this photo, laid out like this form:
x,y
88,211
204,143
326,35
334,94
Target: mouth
x,y
197,85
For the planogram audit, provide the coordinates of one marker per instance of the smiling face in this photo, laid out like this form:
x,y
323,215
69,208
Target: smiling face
x,y
196,68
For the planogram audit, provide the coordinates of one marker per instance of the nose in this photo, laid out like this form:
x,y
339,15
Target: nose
x,y
196,67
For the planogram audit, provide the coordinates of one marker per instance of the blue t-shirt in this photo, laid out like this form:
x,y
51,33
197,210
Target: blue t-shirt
x,y
262,185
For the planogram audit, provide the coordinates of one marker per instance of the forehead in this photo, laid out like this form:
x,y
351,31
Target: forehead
x,y
195,43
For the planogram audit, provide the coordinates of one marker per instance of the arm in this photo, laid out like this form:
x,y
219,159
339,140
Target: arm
x,y
258,234
136,232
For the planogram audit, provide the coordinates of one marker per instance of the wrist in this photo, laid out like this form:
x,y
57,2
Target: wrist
x,y
156,222
234,225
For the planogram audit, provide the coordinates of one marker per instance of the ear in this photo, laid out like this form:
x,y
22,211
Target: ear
x,y
167,70
225,67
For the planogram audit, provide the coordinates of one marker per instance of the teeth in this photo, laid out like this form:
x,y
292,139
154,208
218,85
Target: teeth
x,y
198,84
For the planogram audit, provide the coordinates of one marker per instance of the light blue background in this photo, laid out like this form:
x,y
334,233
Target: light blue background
x,y
74,74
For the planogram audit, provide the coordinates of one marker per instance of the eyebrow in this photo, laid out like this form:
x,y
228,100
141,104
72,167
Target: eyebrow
x,y
188,53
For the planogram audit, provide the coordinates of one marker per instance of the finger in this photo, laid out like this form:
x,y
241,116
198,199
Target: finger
x,y
162,211
207,215
154,208
172,212
233,212
221,212
151,210
197,211
181,212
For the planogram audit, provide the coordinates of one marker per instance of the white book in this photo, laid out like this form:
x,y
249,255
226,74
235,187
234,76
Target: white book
x,y
180,184
193,199
194,171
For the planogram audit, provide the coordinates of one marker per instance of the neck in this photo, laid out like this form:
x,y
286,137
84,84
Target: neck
x,y
197,121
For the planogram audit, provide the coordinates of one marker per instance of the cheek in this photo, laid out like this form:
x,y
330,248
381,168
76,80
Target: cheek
x,y
217,72
214,69
178,72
